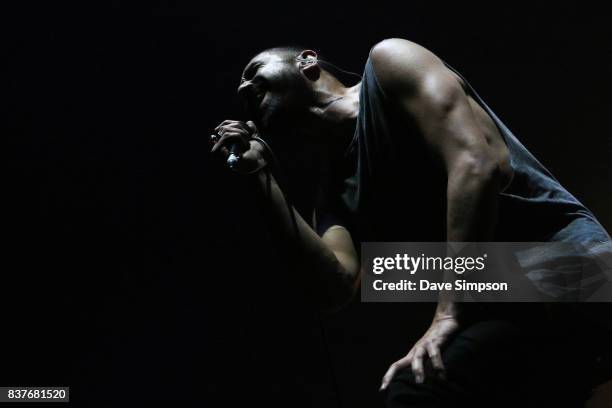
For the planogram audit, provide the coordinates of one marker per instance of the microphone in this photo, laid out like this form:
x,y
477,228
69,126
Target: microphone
x,y
234,156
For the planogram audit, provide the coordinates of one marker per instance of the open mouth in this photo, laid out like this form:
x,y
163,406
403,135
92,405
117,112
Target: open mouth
x,y
330,102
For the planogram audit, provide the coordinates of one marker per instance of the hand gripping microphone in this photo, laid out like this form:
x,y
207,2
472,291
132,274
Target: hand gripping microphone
x,y
235,152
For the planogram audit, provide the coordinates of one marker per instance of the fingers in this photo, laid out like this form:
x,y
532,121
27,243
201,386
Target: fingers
x,y
436,359
236,128
394,368
228,137
431,351
416,361
232,131
251,125
225,123
417,365
235,124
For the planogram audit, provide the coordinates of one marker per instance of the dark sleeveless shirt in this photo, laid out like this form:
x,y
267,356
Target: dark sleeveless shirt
x,y
390,189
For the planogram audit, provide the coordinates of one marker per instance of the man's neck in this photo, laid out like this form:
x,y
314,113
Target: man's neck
x,y
336,107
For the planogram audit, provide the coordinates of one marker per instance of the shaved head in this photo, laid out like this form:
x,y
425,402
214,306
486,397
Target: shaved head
x,y
274,89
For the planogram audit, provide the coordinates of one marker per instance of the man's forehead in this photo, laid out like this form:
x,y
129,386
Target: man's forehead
x,y
265,57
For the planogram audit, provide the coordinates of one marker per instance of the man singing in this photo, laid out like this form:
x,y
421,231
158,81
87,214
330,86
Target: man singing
x,y
411,153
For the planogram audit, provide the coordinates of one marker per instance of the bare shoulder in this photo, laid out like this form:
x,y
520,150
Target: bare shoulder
x,y
403,65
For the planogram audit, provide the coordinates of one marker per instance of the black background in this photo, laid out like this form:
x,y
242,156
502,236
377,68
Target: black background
x,y
137,268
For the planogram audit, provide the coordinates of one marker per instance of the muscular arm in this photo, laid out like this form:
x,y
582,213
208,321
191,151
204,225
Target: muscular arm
x,y
329,262
431,95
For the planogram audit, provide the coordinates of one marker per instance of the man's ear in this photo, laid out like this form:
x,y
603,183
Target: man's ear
x,y
309,64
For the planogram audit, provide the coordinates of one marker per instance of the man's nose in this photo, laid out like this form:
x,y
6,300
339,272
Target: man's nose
x,y
243,88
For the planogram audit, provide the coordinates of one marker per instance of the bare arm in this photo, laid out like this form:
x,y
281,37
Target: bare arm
x,y
430,94
329,263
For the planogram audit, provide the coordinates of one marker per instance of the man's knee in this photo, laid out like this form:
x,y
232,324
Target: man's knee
x,y
476,357
403,391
